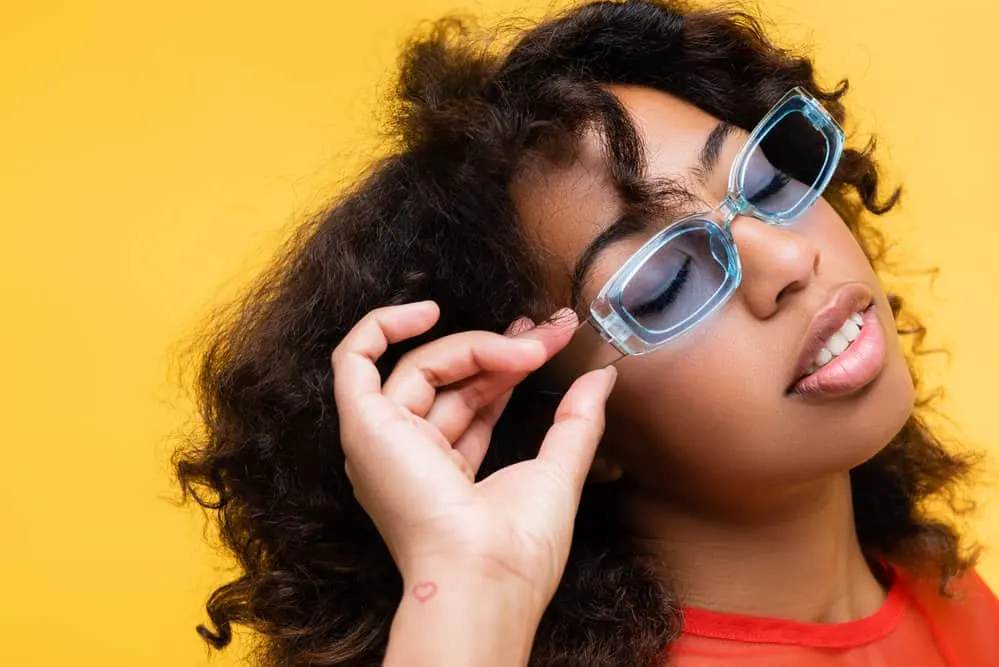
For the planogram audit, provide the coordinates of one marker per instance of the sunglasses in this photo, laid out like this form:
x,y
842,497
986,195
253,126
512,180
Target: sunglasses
x,y
689,269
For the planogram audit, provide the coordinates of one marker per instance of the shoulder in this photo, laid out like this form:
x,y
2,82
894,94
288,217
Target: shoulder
x,y
966,589
964,612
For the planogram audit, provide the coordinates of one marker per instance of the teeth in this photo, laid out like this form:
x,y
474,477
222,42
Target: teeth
x,y
850,331
838,342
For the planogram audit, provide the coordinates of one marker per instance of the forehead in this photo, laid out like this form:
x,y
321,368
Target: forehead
x,y
562,207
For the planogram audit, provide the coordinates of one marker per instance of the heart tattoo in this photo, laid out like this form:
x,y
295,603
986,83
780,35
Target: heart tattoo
x,y
424,590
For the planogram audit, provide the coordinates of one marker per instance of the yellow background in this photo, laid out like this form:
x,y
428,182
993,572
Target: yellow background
x,y
151,154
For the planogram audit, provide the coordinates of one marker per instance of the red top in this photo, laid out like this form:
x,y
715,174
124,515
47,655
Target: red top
x,y
915,627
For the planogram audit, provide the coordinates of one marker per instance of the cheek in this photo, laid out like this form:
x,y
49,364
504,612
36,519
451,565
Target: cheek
x,y
684,412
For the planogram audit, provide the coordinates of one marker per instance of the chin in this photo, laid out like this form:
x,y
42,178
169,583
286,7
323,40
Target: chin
x,y
884,408
858,427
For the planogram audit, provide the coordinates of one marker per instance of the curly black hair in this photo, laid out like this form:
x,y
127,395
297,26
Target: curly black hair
x,y
435,220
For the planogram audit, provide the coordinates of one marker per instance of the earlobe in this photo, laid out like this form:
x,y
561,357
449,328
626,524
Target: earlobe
x,y
604,471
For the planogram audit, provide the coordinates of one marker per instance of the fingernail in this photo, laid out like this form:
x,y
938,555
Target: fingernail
x,y
519,326
562,318
612,371
426,303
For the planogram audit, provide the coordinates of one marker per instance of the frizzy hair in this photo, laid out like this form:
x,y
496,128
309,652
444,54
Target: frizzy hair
x,y
435,220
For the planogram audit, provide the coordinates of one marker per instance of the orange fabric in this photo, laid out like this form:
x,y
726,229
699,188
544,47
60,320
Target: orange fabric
x,y
915,627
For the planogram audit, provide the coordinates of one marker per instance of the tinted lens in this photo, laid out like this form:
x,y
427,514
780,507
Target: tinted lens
x,y
677,280
784,171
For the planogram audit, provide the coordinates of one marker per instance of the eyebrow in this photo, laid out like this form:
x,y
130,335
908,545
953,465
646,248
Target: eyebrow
x,y
629,225
708,159
620,229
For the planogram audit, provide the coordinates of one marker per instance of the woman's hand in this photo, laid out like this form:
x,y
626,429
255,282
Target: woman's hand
x,y
413,447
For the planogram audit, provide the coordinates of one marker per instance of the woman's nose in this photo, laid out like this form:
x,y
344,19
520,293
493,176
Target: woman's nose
x,y
776,262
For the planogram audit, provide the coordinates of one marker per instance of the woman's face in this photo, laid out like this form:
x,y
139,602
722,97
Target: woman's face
x,y
709,416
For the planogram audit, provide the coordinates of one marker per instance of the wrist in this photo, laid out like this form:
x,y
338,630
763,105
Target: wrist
x,y
462,614
477,573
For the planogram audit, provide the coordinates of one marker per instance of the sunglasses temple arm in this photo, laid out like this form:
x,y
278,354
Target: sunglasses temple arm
x,y
619,355
599,332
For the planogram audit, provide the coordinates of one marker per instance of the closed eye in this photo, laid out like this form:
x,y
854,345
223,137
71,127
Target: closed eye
x,y
666,298
776,184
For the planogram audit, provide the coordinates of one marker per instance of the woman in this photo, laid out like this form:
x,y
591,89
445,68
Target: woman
x,y
613,379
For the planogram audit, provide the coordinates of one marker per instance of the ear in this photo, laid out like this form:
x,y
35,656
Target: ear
x,y
604,470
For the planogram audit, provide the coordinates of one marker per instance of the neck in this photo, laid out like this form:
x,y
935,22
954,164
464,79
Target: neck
x,y
800,559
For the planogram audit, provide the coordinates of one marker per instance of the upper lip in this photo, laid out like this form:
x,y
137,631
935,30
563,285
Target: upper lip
x,y
849,299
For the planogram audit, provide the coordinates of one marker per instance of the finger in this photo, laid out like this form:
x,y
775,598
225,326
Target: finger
x,y
554,333
354,358
454,409
456,358
474,442
572,440
356,381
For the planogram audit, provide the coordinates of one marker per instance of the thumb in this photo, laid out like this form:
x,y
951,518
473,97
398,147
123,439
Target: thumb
x,y
571,442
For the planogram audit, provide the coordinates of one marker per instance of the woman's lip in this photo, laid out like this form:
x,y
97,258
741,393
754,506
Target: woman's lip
x,y
850,298
853,370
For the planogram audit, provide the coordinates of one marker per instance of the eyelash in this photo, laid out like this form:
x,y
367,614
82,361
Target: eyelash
x,y
775,185
668,295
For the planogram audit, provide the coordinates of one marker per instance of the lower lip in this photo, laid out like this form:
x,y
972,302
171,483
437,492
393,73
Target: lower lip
x,y
858,366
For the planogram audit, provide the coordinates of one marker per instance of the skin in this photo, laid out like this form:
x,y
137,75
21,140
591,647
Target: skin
x,y
726,451
740,490
479,560
741,360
